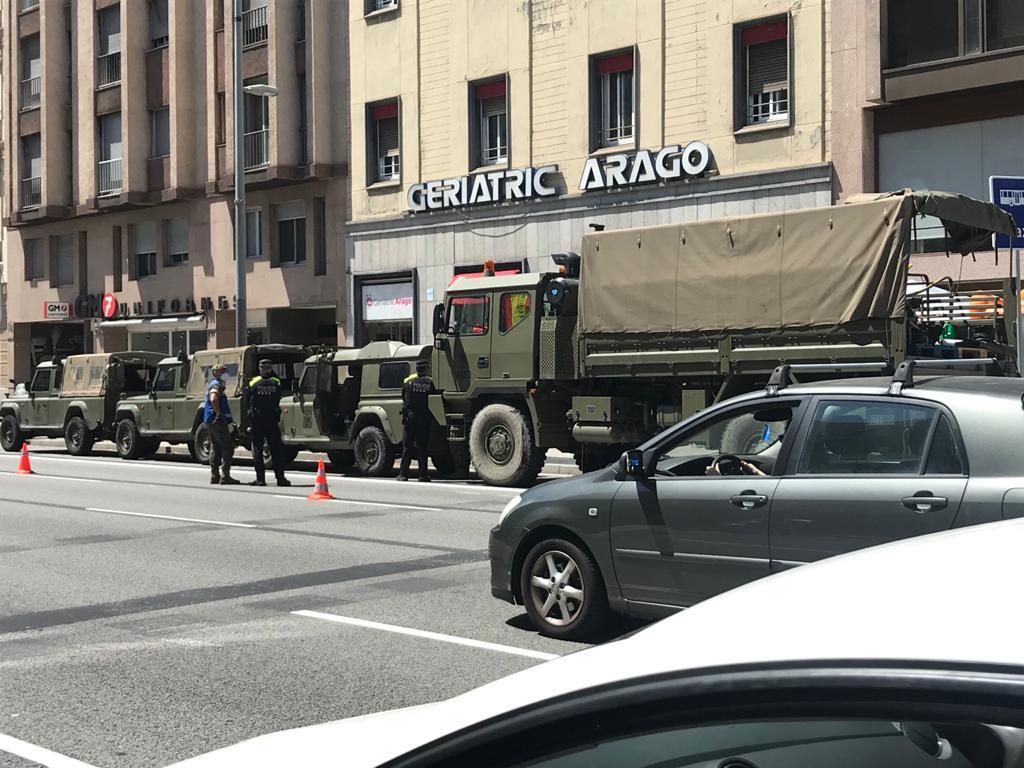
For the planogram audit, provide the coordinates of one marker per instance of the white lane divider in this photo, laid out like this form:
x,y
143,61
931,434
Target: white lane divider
x,y
422,633
58,477
170,517
359,503
38,755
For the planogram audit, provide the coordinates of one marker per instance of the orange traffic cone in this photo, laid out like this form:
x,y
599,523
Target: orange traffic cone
x,y
320,492
24,468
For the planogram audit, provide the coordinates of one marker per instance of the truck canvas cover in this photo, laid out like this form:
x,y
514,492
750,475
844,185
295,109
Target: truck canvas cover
x,y
819,267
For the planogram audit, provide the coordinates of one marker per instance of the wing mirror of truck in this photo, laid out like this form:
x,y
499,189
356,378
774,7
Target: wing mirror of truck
x,y
631,464
438,319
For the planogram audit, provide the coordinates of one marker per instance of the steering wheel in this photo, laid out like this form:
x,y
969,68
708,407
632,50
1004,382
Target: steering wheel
x,y
727,464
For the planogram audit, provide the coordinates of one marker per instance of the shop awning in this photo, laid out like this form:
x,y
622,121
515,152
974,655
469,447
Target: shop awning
x,y
163,323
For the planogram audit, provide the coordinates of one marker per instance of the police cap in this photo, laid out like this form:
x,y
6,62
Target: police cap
x,y
264,363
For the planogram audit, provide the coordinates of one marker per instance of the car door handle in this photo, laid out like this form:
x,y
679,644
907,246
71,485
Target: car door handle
x,y
925,503
748,500
482,362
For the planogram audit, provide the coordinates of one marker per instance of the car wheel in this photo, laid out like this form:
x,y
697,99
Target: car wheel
x,y
375,456
77,437
562,590
501,446
202,443
10,434
128,440
341,461
150,446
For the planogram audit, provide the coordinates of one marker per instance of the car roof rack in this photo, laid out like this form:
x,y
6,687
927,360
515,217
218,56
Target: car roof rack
x,y
903,378
782,375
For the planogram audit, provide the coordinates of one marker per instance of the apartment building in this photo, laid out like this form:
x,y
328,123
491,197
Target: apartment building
x,y
119,124
929,94
500,130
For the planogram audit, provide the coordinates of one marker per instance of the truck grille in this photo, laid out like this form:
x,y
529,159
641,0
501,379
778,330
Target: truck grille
x,y
559,347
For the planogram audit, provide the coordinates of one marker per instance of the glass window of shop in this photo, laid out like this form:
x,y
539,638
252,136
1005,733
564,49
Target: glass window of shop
x,y
387,311
170,343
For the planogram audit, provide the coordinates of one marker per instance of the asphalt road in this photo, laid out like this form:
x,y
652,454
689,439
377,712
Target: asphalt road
x,y
131,638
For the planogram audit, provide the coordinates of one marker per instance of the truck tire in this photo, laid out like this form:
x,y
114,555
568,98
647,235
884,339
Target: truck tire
x,y
11,438
150,446
201,442
743,438
574,607
77,437
127,440
341,461
375,455
501,446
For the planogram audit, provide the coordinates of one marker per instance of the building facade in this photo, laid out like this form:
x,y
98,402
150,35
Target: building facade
x,y
503,130
930,94
119,123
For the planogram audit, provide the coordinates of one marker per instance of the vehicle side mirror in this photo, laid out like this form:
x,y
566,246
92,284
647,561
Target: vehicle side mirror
x,y
438,326
441,342
631,464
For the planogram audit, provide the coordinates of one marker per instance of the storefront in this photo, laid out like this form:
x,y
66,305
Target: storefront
x,y
387,307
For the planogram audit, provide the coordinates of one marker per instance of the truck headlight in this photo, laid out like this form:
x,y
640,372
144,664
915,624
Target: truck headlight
x,y
512,504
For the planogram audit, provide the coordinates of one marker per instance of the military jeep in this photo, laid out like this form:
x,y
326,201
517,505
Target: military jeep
x,y
163,414
75,399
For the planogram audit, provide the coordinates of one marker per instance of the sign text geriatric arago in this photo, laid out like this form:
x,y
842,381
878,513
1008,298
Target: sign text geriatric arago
x,y
624,170
478,188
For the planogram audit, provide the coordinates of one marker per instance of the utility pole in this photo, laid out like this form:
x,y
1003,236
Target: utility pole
x,y
241,336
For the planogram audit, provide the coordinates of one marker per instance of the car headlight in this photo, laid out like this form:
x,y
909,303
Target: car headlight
x,y
512,504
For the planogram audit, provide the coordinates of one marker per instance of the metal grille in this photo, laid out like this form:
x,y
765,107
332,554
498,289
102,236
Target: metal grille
x,y
31,192
30,92
108,69
254,27
257,149
108,175
559,348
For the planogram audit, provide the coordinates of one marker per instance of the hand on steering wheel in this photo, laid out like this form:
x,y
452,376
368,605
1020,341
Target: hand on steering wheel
x,y
728,464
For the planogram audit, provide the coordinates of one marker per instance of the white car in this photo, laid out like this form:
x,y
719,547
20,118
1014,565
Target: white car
x,y
910,654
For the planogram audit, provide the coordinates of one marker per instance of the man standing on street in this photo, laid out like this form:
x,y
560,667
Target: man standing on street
x,y
217,416
416,417
265,421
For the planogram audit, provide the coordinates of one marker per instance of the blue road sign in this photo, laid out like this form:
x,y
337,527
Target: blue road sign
x,y
1008,193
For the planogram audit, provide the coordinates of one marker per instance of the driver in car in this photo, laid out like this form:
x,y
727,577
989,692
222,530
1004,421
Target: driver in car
x,y
746,466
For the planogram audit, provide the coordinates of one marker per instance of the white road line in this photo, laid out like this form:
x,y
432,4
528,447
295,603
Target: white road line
x,y
58,477
427,635
396,505
38,754
170,517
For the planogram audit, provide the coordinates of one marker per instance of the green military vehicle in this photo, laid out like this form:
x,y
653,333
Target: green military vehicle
x,y
654,324
163,414
349,405
77,399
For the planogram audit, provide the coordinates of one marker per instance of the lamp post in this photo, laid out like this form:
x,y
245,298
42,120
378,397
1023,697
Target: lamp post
x,y
264,91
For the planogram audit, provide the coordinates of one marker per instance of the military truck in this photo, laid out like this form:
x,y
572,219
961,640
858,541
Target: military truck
x,y
653,324
349,404
76,399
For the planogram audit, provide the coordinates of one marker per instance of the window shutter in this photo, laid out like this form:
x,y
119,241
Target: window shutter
x,y
177,236
387,137
145,237
767,66
495,105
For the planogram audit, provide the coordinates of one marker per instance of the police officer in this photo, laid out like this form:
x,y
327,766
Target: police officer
x,y
416,417
217,417
264,419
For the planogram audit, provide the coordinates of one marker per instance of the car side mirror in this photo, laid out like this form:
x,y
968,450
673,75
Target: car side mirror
x,y
438,326
631,464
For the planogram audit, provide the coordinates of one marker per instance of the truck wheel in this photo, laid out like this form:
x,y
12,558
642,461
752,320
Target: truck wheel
x,y
501,446
341,461
150,446
128,440
201,441
10,434
375,456
742,437
562,590
77,437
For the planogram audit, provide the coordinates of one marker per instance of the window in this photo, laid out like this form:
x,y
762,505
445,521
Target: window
x,y
379,5
31,70
166,378
177,241
253,233
921,31
63,261
386,142
944,456
392,375
256,128
515,307
468,315
307,385
764,69
109,178
42,379
145,250
158,23
108,64
868,438
31,171
219,119
613,97
491,117
160,133
34,259
291,232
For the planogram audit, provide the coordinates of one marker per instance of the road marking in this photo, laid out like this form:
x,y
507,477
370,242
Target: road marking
x,y
59,477
170,517
38,754
455,640
367,503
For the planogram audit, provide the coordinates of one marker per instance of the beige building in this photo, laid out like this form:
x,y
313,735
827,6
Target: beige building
x,y
501,129
118,126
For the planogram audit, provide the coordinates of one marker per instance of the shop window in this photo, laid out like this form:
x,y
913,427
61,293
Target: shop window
x,y
253,233
763,73
160,132
613,101
515,307
392,375
177,242
468,315
158,35
291,232
34,259
62,270
144,257
385,142
490,118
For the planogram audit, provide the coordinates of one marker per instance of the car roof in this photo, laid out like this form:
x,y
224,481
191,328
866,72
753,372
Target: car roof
x,y
940,387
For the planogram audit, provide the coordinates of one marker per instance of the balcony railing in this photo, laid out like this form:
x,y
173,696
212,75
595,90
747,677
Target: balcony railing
x,y
257,149
108,177
108,69
30,90
254,27
31,192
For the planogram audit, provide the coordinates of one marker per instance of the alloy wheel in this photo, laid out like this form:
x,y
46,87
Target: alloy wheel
x,y
556,588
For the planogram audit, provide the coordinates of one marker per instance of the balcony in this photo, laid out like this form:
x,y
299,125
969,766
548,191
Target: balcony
x,y
31,192
108,69
108,177
254,27
30,93
256,145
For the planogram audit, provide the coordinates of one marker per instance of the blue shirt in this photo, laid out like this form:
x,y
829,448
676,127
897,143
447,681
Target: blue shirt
x,y
225,410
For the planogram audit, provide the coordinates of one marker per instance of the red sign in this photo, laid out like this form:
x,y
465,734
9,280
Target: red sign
x,y
109,306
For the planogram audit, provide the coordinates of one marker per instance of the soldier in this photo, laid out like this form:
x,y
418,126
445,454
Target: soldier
x,y
416,418
217,416
265,421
